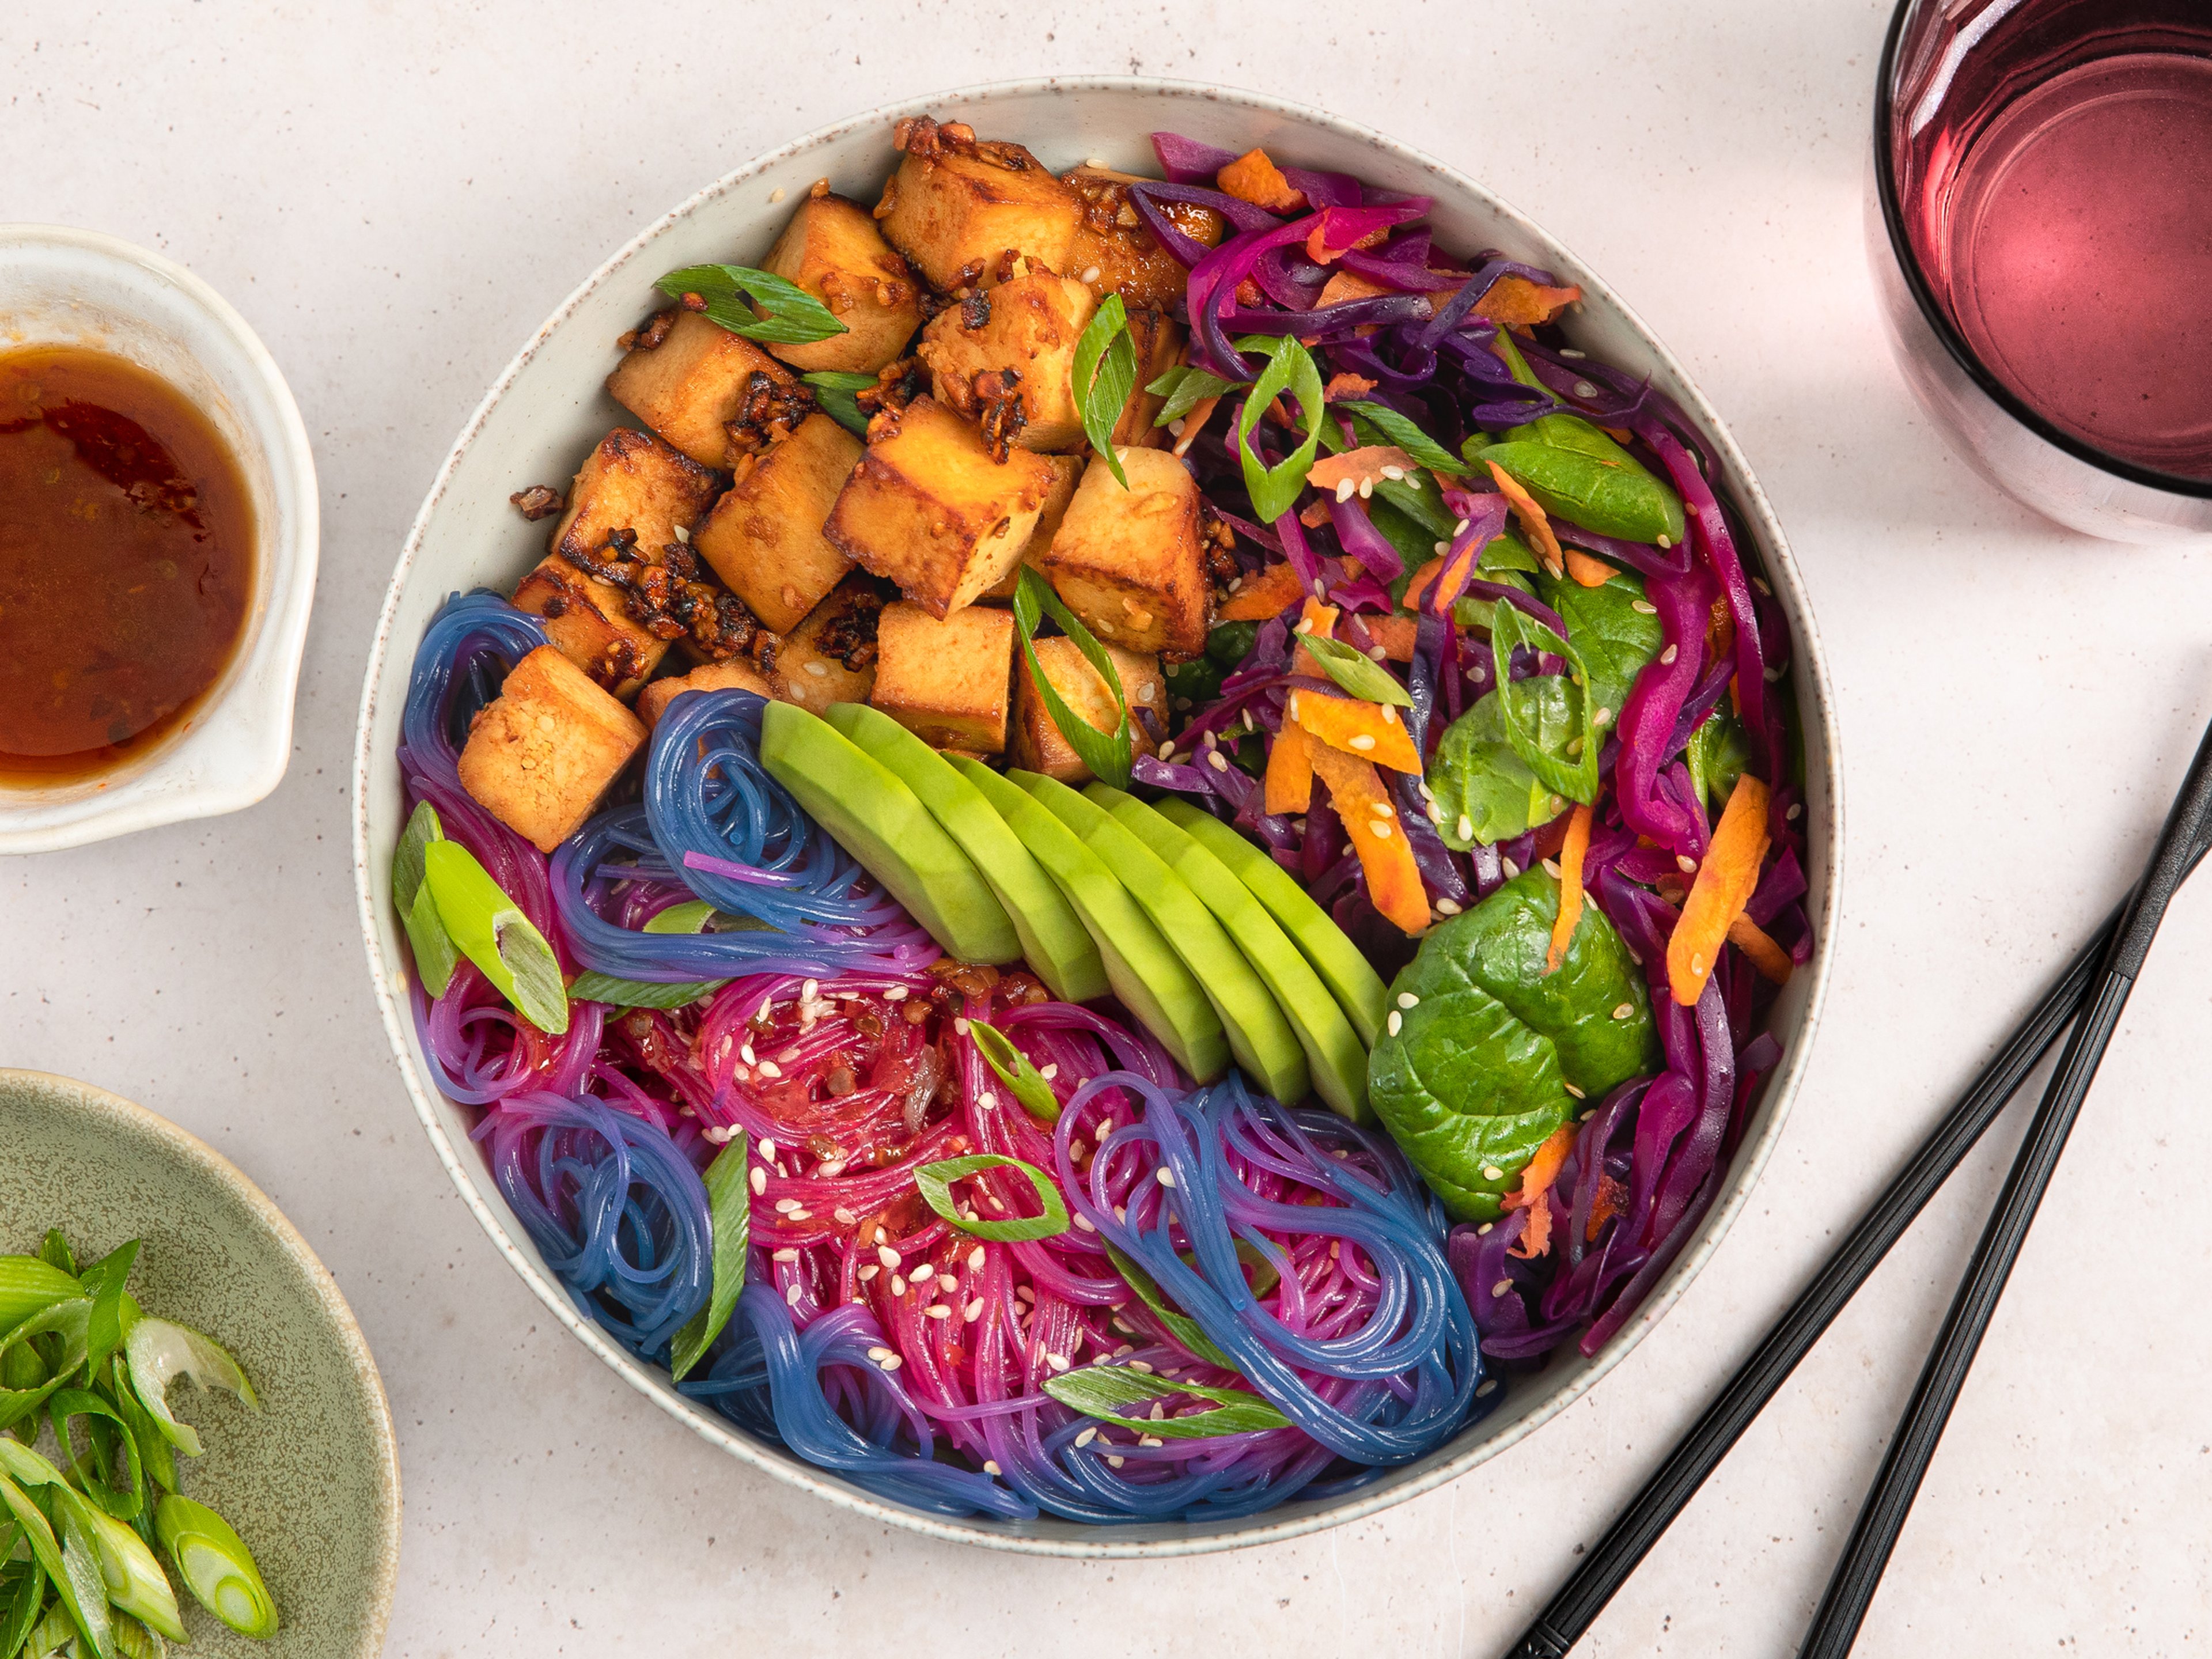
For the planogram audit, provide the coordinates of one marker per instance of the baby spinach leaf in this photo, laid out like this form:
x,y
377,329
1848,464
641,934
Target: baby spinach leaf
x,y
1718,753
1485,791
1613,638
1569,770
1476,1076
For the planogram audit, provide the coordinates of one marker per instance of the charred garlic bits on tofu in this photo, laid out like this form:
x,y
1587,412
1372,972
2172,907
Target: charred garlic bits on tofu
x,y
1115,252
764,537
833,250
1131,563
966,211
830,657
1036,744
697,383
948,680
542,755
1003,357
930,509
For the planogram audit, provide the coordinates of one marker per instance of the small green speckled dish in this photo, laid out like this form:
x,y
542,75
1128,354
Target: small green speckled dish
x,y
311,1480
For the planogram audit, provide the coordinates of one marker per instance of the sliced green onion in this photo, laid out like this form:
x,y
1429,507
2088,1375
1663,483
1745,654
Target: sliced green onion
x,y
54,1250
29,1286
22,1588
1015,1071
757,304
160,1352
133,1641
1185,388
435,956
72,1561
134,1579
1185,1329
156,1456
493,933
935,1180
1380,423
690,917
1101,1391
1101,377
1275,490
107,1432
1355,671
28,1377
216,1566
833,391
1108,754
729,1208
104,1281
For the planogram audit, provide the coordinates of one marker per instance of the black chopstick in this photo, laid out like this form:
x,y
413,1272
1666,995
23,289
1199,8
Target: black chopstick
x,y
1575,1607
1852,1589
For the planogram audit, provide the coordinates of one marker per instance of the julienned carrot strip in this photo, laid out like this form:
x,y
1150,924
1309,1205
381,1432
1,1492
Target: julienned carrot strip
x,y
1532,518
1519,303
1725,883
1261,597
1395,634
1570,887
1192,424
1586,571
1536,1179
1771,959
1288,786
1370,823
1368,730
1253,177
1423,573
1315,618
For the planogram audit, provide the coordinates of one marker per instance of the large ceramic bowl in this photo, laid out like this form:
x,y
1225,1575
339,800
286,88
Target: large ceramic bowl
x,y
547,410
311,1480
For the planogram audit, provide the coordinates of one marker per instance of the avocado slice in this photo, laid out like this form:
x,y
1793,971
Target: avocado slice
x,y
1334,1054
1359,989
1259,1035
1054,942
879,821
1147,976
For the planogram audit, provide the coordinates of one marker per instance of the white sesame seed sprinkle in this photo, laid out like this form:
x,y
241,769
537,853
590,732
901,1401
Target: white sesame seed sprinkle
x,y
1214,758
1408,1000
759,1180
898,1285
1684,863
937,1311
1164,1176
1465,827
1149,1440
1483,1230
1395,1022
1796,810
1447,907
896,993
1584,389
1486,1386
1363,742
922,1275
1087,1436
776,195
1491,1172
1059,1362
1624,1010
1670,654
1083,1225
1089,274
884,1254
1576,1092
1382,831
880,1353
785,1256
1503,1288
1552,868
1511,868
973,1311
867,1272
1643,606
976,1260
1141,1365
768,1068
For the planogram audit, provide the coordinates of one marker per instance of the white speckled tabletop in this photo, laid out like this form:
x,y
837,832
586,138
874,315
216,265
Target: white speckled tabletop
x,y
396,194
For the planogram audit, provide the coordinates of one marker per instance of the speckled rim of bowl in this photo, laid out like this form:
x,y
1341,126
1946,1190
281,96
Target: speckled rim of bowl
x,y
189,1148
1809,671
234,749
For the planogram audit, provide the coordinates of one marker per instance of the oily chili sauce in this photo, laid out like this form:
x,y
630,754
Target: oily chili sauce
x,y
126,550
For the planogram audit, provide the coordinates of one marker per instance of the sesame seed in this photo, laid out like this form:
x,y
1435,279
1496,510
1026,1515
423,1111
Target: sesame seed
x,y
802,1215
1114,1461
1320,591
937,1311
1149,1440
1395,1021
1569,351
768,1144
1603,717
960,1025
1362,741
1382,831
1058,1361
1408,1000
1394,473
880,1239
1443,547
776,195
1089,274
1644,605
1484,1230
893,1363
1503,1288
880,1353
884,1254
1552,868
769,1068
1686,863
898,1285
1381,809
1164,1176
986,1100
1487,1386
923,1275
1796,810
1345,488
1167,750
897,993
1756,581
785,1256
1465,827
830,1168
1390,718
867,1272
1083,1225
1141,1365
760,1181
1576,1092
1380,654
1213,759
1624,1010
1049,1073
1511,868
973,1311
820,670
1447,907
1584,389
1670,654
976,1259
1491,1172
1087,1436
792,1295
1175,427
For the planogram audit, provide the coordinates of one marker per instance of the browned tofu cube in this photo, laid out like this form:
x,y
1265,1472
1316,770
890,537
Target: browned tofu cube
x,y
1017,340
958,204
539,757
1114,252
832,249
764,537
946,680
692,385
1038,744
928,508
736,675
1158,341
1128,562
633,482
1067,470
589,622
830,657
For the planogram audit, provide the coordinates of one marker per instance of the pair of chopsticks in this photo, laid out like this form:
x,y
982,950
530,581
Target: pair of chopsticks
x,y
2090,997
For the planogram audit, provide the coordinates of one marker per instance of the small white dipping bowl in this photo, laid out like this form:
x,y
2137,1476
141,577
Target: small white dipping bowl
x,y
78,287
549,408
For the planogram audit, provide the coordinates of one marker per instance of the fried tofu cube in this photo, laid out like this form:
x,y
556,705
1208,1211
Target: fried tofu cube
x,y
633,481
589,622
692,385
764,537
1066,472
958,206
1115,251
830,657
541,755
1018,340
1037,744
735,675
928,508
948,681
832,249
1158,341
1130,562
